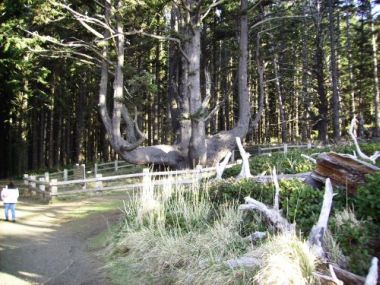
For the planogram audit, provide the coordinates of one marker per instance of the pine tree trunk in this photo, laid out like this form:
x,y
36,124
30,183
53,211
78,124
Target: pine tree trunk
x,y
350,66
284,130
375,78
319,73
197,146
334,75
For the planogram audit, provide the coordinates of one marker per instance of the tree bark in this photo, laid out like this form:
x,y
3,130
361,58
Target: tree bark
x,y
284,130
334,75
319,73
375,78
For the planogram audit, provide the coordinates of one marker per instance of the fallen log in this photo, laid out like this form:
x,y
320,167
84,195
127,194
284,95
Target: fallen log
x,y
343,170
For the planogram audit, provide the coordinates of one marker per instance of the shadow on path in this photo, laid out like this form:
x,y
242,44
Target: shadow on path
x,y
48,246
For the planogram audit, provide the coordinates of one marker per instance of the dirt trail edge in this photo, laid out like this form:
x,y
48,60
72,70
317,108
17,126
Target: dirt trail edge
x,y
47,245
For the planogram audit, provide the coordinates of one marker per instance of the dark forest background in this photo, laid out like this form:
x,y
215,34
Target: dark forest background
x,y
319,63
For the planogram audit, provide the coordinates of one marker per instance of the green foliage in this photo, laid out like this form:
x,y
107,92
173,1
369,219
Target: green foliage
x,y
302,203
236,189
367,199
289,163
353,237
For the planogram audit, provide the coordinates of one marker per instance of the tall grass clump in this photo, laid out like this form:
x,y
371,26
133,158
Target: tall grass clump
x,y
181,238
286,260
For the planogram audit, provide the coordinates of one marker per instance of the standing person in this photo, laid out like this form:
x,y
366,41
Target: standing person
x,y
9,195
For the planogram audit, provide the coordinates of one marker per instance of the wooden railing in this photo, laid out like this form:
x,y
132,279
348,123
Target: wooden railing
x,y
61,183
285,147
52,187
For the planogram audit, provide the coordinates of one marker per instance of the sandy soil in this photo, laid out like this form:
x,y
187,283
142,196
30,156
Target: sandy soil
x,y
46,246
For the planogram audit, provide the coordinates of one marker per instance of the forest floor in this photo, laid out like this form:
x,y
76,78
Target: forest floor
x,y
51,244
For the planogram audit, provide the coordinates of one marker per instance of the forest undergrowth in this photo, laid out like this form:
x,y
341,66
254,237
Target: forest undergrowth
x,y
190,235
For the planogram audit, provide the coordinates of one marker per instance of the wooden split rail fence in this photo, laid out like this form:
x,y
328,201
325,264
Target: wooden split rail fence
x,y
74,181
52,187
285,147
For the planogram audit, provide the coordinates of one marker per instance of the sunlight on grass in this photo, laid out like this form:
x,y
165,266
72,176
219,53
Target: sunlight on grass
x,y
95,207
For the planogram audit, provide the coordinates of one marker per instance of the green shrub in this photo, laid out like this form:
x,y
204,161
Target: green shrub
x,y
301,203
236,189
289,163
353,237
367,199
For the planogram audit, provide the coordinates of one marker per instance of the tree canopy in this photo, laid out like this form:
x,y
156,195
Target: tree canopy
x,y
174,82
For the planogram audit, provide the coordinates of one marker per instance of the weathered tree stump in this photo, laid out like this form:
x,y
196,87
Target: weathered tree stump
x,y
344,170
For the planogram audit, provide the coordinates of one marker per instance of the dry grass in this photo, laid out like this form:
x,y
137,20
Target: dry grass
x,y
286,260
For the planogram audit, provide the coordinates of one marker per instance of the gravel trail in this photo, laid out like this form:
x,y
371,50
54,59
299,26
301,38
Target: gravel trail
x,y
48,246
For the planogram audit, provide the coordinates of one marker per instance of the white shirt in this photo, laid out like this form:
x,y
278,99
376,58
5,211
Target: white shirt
x,y
9,195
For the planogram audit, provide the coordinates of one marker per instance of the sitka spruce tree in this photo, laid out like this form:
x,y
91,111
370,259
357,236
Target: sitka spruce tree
x,y
192,145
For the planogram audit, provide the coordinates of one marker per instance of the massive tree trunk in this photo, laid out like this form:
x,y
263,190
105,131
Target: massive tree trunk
x,y
193,147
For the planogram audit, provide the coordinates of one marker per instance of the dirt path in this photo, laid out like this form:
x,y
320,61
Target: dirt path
x,y
48,245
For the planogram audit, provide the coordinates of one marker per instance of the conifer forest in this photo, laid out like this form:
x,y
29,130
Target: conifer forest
x,y
174,83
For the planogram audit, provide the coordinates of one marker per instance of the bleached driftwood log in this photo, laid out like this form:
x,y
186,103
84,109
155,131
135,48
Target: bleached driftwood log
x,y
272,215
245,172
351,131
372,275
244,261
317,232
221,166
256,236
348,277
276,203
333,278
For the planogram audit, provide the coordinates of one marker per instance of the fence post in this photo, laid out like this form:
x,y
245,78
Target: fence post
x,y
26,177
65,175
198,174
98,184
47,176
309,145
117,165
83,173
95,169
147,193
32,184
41,186
53,187
285,148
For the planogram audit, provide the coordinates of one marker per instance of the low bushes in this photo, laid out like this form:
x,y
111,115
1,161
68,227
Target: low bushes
x,y
185,236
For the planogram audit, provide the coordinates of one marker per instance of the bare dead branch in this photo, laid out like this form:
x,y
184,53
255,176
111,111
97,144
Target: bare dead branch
x,y
275,18
221,166
317,232
86,20
372,275
209,8
245,172
309,158
272,215
352,132
276,204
